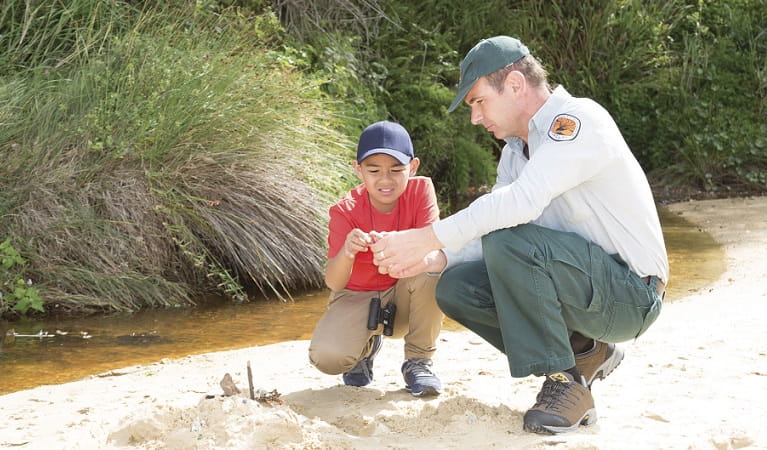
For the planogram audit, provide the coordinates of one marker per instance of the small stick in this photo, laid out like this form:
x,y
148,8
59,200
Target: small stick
x,y
250,383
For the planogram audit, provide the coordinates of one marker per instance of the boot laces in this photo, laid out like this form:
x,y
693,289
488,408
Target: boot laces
x,y
554,395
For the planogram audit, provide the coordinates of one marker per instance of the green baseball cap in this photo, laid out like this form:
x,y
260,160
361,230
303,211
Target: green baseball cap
x,y
485,58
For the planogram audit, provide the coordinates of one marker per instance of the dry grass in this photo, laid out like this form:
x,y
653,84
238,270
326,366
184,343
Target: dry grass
x,y
183,159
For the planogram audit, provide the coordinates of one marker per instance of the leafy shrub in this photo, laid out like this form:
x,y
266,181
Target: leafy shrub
x,y
673,74
704,118
16,293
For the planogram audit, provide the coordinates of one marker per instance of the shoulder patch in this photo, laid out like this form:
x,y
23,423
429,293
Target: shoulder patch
x,y
564,128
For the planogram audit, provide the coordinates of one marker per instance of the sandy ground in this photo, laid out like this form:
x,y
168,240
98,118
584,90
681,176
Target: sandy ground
x,y
696,379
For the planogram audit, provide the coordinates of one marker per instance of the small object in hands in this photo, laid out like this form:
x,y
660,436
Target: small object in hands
x,y
227,384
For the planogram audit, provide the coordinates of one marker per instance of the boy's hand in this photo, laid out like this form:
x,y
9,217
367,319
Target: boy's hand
x,y
356,241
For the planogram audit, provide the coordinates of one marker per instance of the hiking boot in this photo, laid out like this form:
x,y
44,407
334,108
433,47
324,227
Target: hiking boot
x,y
362,373
598,362
562,405
419,379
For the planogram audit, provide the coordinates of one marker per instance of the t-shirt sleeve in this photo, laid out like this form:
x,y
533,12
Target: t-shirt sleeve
x,y
339,227
427,208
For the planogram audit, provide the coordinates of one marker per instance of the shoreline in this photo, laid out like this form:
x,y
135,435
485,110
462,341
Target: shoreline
x,y
696,379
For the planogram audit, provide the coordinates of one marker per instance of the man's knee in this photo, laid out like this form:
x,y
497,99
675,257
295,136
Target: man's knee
x,y
521,239
448,292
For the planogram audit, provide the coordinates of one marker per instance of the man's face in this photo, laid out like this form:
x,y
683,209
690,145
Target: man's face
x,y
498,112
385,179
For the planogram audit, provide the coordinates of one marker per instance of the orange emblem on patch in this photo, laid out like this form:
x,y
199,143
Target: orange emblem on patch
x,y
564,128
563,125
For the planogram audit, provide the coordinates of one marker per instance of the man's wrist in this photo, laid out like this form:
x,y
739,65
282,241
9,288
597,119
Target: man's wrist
x,y
438,263
432,239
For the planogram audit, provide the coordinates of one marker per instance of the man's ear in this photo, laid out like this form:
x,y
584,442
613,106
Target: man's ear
x,y
414,163
514,81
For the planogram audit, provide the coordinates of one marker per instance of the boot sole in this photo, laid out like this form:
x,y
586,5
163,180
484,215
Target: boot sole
x,y
608,366
588,418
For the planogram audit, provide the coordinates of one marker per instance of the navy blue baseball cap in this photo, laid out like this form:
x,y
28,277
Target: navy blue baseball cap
x,y
388,138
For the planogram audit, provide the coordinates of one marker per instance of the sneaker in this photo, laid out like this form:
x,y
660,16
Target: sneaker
x,y
562,405
598,362
419,379
362,373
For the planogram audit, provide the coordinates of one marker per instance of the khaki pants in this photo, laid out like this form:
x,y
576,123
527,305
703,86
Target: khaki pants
x,y
342,339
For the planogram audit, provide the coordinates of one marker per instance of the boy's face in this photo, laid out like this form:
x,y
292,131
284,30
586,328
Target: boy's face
x,y
385,179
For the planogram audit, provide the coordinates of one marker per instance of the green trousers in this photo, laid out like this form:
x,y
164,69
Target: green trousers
x,y
535,286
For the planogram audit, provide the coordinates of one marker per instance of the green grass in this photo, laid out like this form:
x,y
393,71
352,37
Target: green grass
x,y
179,157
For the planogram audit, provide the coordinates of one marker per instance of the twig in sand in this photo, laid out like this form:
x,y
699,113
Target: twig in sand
x,y
250,383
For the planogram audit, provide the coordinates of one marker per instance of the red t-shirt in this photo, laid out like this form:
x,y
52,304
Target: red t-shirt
x,y
415,208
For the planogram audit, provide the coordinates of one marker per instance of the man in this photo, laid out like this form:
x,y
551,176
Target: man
x,y
564,256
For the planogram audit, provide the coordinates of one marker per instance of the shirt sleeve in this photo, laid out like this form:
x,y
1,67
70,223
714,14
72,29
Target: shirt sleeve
x,y
472,251
427,209
339,227
555,168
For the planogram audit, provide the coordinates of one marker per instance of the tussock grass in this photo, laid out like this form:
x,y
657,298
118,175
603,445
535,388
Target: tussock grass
x,y
176,158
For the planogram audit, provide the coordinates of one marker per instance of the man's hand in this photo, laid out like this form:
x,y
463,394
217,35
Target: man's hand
x,y
433,262
407,253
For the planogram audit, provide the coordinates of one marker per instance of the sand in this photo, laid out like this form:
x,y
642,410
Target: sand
x,y
696,379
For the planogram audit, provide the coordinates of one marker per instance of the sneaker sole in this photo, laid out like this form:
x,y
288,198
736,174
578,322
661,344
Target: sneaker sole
x,y
426,392
588,418
608,366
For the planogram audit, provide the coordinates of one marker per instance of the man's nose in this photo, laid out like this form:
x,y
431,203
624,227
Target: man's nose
x,y
476,117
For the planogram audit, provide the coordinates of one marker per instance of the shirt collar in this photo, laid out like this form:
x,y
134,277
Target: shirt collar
x,y
540,122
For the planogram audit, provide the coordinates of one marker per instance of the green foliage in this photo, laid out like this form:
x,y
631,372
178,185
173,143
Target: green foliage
x,y
454,153
174,158
686,80
383,63
42,35
16,294
344,76
704,118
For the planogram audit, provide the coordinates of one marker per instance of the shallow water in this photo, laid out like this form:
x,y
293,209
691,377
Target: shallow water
x,y
99,344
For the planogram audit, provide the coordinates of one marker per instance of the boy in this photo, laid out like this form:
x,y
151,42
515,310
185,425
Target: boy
x,y
390,198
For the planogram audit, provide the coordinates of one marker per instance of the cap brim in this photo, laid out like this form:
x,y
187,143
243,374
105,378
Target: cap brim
x,y
459,97
399,156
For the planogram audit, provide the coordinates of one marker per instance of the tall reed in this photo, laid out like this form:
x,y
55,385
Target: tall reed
x,y
173,158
